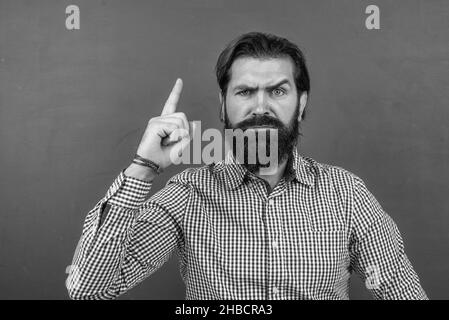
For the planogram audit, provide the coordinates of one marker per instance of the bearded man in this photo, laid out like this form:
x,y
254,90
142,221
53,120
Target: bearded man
x,y
295,232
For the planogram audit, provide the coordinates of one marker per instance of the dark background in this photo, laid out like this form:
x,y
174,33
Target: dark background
x,y
74,104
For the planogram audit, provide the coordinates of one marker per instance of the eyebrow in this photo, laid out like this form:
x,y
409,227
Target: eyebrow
x,y
244,86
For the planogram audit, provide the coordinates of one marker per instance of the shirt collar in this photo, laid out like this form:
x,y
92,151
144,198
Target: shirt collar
x,y
298,168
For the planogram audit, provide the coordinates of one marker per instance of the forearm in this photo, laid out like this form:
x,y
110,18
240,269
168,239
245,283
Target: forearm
x,y
136,238
102,245
95,270
141,173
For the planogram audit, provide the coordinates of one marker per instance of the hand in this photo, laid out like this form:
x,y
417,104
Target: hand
x,y
167,135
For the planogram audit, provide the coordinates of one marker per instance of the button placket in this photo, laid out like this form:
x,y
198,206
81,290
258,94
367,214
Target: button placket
x,y
273,245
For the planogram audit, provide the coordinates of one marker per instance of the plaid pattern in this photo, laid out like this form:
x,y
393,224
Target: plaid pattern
x,y
236,239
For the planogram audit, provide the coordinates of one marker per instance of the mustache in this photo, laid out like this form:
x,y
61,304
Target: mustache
x,y
262,120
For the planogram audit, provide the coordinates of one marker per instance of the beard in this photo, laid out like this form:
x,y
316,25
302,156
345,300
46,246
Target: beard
x,y
287,138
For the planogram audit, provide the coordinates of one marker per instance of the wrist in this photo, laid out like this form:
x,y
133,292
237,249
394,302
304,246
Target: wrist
x,y
140,172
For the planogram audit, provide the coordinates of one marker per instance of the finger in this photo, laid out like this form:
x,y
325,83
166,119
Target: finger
x,y
165,129
169,129
173,98
175,120
179,116
175,136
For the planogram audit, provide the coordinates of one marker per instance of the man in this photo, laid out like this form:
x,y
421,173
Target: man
x,y
295,233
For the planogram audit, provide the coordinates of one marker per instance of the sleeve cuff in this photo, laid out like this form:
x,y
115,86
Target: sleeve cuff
x,y
127,192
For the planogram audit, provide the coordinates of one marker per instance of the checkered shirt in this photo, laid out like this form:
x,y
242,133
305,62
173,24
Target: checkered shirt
x,y
237,239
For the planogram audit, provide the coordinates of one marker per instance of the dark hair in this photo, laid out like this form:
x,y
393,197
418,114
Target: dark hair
x,y
262,45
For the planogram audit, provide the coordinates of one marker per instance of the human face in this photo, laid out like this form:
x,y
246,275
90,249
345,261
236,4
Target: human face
x,y
263,93
261,87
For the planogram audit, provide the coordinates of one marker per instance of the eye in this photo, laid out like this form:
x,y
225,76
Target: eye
x,y
243,92
278,92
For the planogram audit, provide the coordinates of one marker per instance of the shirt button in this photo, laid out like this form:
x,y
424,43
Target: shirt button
x,y
271,202
275,290
275,244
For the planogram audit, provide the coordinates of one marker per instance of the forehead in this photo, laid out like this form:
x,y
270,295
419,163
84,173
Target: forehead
x,y
248,70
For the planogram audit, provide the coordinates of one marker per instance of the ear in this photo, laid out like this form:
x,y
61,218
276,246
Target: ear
x,y
221,107
302,105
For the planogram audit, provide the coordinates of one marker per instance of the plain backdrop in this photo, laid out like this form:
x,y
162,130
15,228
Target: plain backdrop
x,y
74,104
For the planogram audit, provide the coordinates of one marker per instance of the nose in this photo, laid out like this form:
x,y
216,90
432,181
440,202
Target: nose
x,y
261,104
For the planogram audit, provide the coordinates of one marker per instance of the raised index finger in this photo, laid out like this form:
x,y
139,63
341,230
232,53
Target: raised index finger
x,y
172,101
